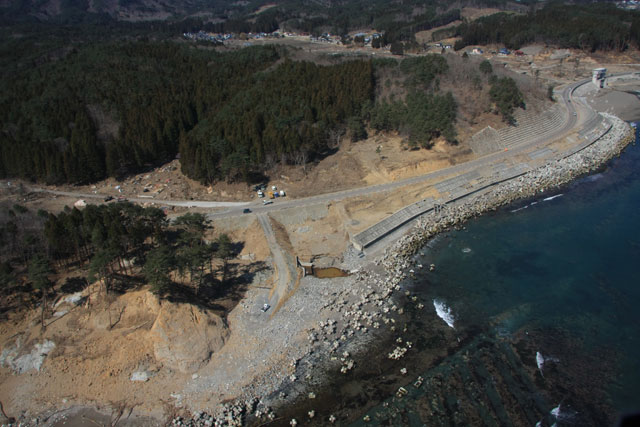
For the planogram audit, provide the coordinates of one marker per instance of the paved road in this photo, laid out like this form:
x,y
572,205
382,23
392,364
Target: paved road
x,y
185,203
583,114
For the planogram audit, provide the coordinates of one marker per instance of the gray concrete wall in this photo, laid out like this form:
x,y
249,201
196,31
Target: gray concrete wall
x,y
462,186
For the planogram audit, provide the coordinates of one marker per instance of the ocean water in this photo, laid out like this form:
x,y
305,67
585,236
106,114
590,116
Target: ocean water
x,y
539,305
531,317
560,272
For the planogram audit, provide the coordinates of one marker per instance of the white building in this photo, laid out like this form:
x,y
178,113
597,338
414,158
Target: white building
x,y
599,77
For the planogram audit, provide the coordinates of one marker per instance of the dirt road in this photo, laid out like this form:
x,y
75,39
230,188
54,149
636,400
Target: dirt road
x,y
285,278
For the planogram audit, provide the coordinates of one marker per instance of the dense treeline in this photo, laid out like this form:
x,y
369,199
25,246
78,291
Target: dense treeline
x,y
591,27
422,117
505,94
142,95
284,116
112,108
398,20
424,114
118,244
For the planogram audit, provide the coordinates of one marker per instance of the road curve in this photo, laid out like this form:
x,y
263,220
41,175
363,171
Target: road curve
x,y
577,113
583,114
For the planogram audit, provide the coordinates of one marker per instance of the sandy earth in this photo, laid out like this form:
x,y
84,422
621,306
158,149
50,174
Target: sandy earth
x,y
356,164
619,98
92,363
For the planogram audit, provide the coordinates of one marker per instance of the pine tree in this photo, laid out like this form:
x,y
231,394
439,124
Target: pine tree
x,y
39,271
157,267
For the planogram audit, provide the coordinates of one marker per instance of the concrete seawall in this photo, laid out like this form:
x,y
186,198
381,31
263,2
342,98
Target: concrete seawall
x,y
475,181
590,156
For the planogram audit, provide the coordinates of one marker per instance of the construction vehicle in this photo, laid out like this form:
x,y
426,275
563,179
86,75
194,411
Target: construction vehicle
x,y
270,194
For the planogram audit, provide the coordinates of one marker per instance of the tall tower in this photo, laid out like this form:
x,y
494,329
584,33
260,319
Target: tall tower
x,y
599,77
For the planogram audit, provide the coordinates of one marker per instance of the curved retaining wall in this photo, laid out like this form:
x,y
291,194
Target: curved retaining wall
x,y
552,175
473,182
490,140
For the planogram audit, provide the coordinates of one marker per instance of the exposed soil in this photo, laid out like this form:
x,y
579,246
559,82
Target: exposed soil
x,y
93,358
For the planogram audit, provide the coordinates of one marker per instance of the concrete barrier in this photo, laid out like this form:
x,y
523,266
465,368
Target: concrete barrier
x,y
390,223
471,182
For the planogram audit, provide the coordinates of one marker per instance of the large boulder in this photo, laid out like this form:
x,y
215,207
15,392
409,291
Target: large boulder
x,y
184,336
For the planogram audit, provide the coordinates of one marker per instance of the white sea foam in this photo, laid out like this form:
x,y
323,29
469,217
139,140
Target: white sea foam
x,y
540,362
565,413
552,197
519,209
431,243
444,312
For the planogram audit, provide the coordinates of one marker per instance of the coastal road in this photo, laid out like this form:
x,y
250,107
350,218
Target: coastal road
x,y
183,203
583,114
577,113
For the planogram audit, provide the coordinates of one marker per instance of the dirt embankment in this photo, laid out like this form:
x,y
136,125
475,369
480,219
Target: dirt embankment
x,y
94,350
128,349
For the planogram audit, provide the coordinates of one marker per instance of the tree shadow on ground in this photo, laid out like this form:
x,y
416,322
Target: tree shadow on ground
x,y
237,247
218,295
73,285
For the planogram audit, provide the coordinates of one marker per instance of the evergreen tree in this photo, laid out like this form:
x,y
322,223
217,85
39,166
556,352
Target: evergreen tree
x,y
39,272
505,93
157,267
224,252
486,67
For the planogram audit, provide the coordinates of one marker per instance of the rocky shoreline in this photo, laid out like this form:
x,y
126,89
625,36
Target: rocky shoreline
x,y
369,303
552,175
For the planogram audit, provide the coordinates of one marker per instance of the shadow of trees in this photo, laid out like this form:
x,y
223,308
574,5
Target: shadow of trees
x,y
215,294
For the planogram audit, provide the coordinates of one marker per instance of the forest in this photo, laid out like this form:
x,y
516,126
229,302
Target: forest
x,y
79,112
119,244
424,114
398,20
283,117
82,102
112,108
597,26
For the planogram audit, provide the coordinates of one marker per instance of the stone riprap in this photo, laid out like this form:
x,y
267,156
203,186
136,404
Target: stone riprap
x,y
356,310
471,182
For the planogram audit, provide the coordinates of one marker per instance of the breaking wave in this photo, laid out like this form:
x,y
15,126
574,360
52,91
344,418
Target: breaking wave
x,y
552,197
444,312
